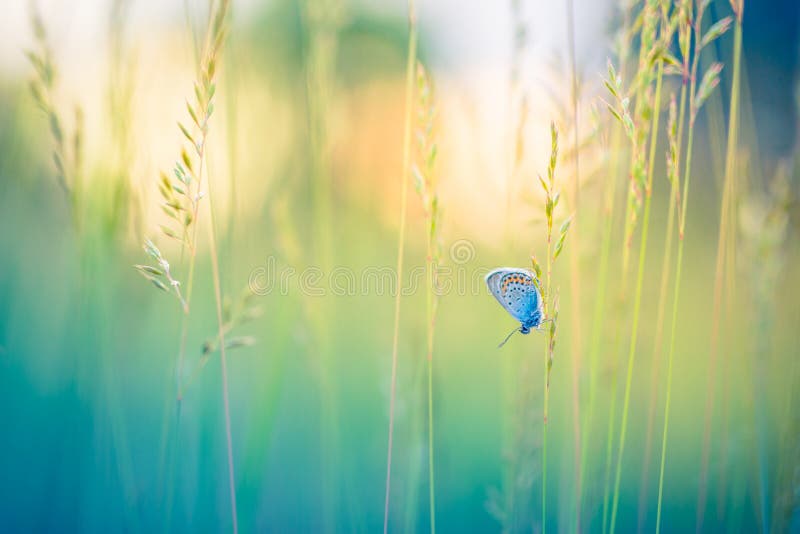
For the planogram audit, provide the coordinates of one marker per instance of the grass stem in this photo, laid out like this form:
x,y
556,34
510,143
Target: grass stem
x,y
676,294
726,216
223,364
637,301
659,333
411,62
575,293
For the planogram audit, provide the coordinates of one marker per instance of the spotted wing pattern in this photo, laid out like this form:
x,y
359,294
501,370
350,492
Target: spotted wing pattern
x,y
517,292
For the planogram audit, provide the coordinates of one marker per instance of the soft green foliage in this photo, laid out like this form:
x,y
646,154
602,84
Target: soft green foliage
x,y
325,135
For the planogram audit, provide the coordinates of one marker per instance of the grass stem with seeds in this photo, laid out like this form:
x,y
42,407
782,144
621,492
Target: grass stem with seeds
x,y
726,217
637,300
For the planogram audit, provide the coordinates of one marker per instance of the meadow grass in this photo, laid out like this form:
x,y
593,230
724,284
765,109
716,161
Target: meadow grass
x,y
655,41
426,184
549,293
67,151
98,219
181,203
648,41
724,246
698,93
672,175
637,298
753,226
407,126
598,313
620,110
576,346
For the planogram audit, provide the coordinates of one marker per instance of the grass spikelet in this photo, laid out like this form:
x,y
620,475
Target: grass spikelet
x,y
67,149
181,198
549,294
722,243
612,83
651,109
673,175
426,184
691,24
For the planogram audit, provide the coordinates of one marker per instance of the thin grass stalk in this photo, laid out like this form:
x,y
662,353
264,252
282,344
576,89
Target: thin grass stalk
x,y
678,268
431,478
612,407
598,322
730,307
411,61
722,244
599,306
431,316
232,145
637,301
675,299
206,69
576,341
659,333
731,491
612,411
546,388
426,184
636,129
600,301
212,240
550,296
184,329
622,300
201,150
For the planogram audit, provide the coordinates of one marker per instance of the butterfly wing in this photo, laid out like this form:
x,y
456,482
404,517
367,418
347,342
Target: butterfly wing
x,y
516,290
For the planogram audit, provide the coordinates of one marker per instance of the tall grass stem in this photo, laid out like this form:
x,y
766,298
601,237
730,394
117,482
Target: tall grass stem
x,y
576,344
726,216
637,300
409,104
676,295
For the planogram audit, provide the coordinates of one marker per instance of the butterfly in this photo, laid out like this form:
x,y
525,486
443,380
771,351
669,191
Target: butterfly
x,y
517,290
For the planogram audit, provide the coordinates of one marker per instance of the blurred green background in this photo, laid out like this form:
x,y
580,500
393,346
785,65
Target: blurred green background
x,y
304,170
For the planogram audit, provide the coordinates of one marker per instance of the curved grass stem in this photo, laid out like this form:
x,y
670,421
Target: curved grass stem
x,y
602,278
547,355
676,297
576,343
658,337
223,365
724,228
411,62
638,292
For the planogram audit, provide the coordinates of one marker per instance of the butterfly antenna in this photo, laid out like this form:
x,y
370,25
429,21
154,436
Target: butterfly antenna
x,y
517,329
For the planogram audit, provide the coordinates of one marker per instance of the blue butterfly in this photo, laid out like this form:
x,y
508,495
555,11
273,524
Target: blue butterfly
x,y
517,290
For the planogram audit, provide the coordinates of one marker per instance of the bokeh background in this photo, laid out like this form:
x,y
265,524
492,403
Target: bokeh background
x,y
309,113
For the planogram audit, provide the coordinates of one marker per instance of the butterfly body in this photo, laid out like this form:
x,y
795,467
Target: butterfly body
x,y
517,290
